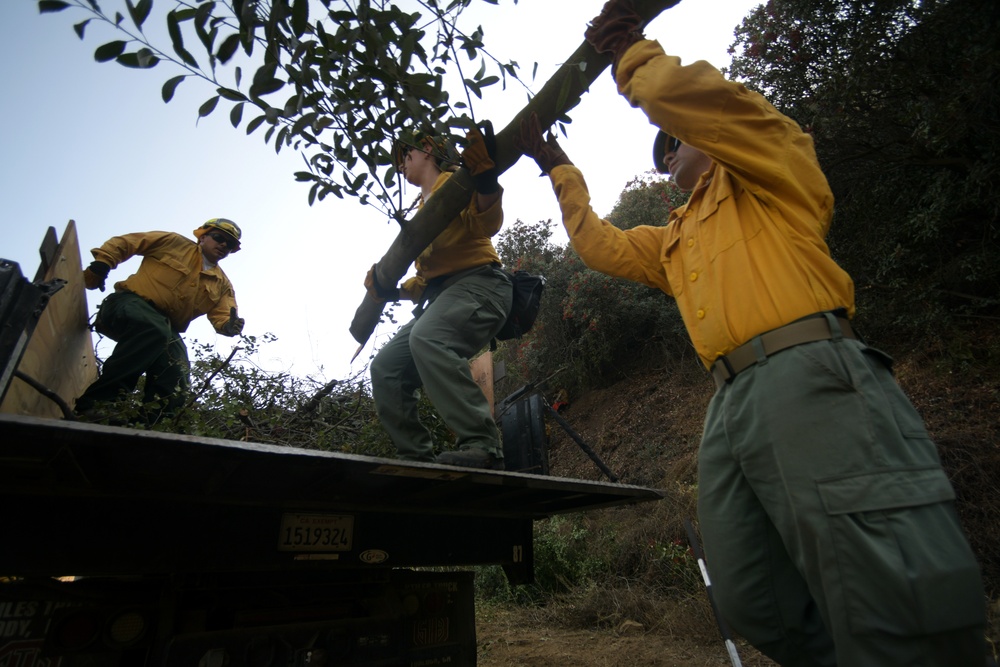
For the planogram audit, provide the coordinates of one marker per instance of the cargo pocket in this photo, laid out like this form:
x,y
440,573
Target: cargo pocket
x,y
904,564
104,321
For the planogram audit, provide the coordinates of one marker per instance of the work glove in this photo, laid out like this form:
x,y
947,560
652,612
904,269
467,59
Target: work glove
x,y
376,291
546,153
479,158
95,275
615,29
234,325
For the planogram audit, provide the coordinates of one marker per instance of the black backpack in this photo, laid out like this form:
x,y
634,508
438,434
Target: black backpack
x,y
527,300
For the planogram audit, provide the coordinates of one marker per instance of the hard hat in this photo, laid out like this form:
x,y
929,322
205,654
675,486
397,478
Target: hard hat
x,y
441,148
660,149
225,226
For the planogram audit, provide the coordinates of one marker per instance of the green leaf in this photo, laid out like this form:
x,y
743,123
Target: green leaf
x,y
142,59
300,17
266,87
236,114
208,107
255,123
174,28
47,6
228,48
109,51
279,142
170,86
231,95
79,27
139,11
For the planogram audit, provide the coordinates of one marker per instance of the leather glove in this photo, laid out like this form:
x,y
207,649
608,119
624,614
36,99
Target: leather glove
x,y
615,29
95,275
479,157
233,326
376,291
546,153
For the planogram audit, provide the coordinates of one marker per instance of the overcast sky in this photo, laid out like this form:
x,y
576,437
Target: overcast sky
x,y
94,142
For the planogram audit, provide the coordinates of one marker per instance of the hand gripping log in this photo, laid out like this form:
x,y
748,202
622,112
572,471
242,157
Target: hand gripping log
x,y
559,94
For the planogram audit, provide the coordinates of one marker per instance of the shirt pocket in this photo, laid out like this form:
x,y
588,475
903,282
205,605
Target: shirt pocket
x,y
670,260
172,273
210,291
722,226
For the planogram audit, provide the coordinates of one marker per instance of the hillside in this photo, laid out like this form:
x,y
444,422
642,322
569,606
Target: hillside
x,y
645,425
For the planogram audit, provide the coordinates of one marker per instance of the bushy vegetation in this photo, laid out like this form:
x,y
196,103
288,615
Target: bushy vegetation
x,y
908,137
590,322
233,398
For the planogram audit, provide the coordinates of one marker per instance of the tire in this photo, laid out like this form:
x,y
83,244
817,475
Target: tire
x,y
525,436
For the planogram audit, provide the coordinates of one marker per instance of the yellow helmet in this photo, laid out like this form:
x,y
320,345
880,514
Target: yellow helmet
x,y
225,226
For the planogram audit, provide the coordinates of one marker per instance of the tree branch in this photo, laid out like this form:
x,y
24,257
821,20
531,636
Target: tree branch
x,y
560,93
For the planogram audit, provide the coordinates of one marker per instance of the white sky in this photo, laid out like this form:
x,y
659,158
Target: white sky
x,y
94,142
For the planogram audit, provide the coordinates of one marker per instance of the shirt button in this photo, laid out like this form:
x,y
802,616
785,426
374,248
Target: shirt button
x,y
690,243
694,276
701,314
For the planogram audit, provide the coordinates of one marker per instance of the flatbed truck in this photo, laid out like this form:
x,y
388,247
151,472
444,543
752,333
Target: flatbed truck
x,y
123,547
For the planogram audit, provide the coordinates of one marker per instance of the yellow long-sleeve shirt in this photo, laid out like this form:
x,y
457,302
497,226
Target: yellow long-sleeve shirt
x,y
464,243
746,254
172,276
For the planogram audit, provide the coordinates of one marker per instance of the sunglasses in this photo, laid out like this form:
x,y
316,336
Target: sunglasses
x,y
223,239
673,144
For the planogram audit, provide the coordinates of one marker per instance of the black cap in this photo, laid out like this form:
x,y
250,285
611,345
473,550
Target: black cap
x,y
659,150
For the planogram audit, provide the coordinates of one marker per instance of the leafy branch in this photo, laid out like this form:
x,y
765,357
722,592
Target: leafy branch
x,y
355,77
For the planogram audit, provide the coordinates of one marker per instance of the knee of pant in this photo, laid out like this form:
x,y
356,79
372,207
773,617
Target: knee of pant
x,y
383,368
420,345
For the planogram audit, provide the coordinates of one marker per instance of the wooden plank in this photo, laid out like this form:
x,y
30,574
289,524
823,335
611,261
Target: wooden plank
x,y
60,354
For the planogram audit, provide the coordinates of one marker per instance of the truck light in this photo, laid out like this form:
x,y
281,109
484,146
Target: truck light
x,y
126,628
78,630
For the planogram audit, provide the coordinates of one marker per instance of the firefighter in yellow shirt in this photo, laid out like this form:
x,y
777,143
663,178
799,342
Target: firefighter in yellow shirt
x,y
828,523
463,300
178,281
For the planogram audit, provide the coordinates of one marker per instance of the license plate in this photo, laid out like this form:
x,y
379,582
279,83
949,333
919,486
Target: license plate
x,y
316,532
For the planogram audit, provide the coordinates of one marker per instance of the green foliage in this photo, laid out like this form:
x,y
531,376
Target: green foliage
x,y
591,324
598,550
907,134
338,86
564,559
234,399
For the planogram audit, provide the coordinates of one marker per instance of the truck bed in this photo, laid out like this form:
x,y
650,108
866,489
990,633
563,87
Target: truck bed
x,y
88,500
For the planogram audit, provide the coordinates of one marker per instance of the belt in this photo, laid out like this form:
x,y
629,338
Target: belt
x,y
823,326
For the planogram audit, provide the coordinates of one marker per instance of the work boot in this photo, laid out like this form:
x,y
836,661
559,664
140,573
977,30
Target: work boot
x,y
470,458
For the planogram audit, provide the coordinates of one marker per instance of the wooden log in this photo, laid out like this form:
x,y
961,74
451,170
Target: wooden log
x,y
560,93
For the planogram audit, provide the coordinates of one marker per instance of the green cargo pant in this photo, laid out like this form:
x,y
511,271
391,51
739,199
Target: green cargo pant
x,y
830,533
146,343
433,351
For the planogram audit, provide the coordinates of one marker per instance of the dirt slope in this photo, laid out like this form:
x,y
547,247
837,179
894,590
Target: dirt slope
x,y
646,427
